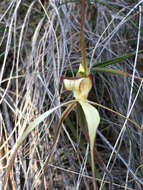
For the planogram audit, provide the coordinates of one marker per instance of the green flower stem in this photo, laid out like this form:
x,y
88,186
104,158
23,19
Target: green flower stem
x,y
84,64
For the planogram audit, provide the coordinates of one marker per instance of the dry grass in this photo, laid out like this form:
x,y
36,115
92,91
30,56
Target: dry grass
x,y
39,44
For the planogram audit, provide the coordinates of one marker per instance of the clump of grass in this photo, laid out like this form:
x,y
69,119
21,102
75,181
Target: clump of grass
x,y
38,46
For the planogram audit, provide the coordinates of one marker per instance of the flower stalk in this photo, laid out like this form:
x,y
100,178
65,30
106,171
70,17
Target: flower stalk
x,y
83,70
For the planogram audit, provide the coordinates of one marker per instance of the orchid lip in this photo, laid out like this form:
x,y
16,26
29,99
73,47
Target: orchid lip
x,y
80,86
75,78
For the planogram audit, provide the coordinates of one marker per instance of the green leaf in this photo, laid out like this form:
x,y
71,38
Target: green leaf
x,y
116,60
109,70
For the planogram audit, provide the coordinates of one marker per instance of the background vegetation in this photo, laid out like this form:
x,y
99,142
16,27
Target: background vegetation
x,y
39,43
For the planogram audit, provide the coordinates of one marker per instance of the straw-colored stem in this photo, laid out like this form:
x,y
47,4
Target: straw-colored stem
x,y
93,168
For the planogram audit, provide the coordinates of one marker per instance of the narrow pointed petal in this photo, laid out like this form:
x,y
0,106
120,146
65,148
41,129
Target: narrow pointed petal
x,y
92,118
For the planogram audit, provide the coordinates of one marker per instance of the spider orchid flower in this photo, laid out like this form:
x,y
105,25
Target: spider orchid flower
x,y
81,87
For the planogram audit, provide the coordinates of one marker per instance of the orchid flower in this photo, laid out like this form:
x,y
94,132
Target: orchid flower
x,y
81,86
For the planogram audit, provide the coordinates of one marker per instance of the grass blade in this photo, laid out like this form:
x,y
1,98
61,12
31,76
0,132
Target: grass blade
x,y
22,137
